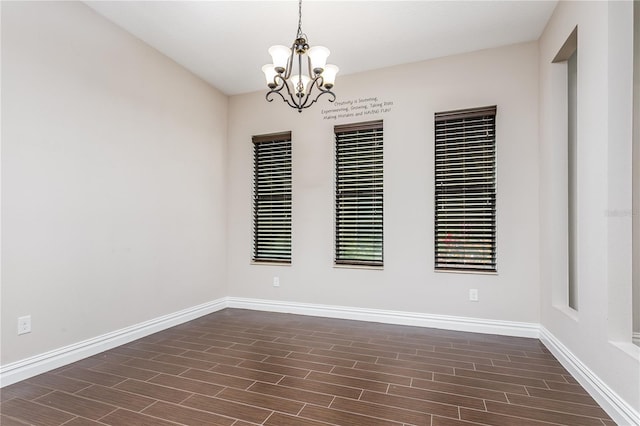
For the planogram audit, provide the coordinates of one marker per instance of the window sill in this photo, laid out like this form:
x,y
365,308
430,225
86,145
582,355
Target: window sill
x,y
452,271
569,312
264,263
627,348
347,266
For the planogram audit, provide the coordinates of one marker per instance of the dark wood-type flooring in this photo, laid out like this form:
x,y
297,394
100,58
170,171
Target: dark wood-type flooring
x,y
238,367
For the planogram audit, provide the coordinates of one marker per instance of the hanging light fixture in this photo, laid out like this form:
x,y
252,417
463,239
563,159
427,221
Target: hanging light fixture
x,y
300,84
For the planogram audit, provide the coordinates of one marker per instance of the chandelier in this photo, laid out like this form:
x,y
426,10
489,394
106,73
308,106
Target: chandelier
x,y
300,84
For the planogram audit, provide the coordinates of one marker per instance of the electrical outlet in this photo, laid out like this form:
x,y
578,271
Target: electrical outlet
x,y
473,294
276,281
24,324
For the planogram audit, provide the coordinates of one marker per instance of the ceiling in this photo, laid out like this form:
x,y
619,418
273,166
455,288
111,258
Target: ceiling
x,y
226,42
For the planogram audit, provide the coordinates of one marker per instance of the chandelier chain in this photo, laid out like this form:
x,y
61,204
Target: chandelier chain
x,y
299,18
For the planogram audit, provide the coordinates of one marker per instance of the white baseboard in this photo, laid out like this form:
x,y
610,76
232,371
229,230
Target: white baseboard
x,y
619,410
636,338
38,364
418,319
32,366
610,401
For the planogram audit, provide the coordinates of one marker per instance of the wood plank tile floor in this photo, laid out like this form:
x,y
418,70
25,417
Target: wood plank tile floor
x,y
238,368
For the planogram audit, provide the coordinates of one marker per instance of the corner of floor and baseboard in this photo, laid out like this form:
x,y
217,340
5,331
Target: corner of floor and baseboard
x,y
616,407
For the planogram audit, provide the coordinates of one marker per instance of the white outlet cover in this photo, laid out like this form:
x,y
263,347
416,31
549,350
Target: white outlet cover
x,y
24,324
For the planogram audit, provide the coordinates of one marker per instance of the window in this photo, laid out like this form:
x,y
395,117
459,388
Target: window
x,y
465,190
572,166
568,57
272,198
359,195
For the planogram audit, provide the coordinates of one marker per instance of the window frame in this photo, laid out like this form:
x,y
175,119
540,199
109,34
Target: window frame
x,y
468,189
359,219
275,202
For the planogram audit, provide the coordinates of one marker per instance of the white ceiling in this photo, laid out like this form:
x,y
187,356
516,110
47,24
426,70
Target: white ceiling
x,y
226,42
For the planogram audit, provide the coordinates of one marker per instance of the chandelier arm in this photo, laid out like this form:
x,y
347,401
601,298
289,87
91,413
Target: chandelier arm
x,y
278,90
308,100
299,86
269,98
294,96
333,98
317,82
279,82
287,72
271,92
310,72
307,97
292,105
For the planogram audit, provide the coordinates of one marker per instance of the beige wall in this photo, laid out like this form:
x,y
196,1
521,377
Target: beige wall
x,y
113,180
506,77
599,333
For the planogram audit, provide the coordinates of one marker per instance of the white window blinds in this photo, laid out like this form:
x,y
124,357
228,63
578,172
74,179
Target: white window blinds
x,y
359,194
272,198
465,190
